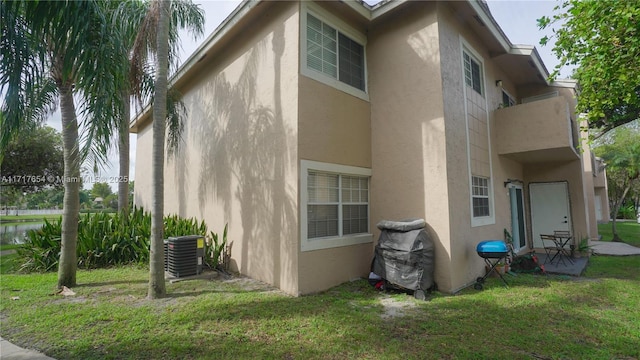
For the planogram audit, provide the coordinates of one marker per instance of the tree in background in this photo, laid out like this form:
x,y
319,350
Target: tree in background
x,y
603,39
100,189
32,160
620,149
56,54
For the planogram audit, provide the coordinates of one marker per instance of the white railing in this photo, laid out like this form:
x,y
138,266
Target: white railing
x,y
10,211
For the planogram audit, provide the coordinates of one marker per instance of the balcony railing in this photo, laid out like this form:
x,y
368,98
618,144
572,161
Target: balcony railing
x,y
539,131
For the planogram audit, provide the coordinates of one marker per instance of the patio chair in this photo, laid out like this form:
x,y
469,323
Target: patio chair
x,y
564,238
553,247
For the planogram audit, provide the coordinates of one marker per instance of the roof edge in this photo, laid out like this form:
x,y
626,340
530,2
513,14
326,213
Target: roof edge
x,y
225,26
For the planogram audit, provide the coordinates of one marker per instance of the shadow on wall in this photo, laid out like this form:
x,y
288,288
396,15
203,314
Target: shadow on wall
x,y
181,159
245,150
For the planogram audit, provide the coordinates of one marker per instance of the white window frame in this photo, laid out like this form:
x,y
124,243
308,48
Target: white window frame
x,y
491,219
487,196
331,20
473,58
512,100
307,244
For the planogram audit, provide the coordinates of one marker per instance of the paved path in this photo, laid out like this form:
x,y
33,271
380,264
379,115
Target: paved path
x,y
9,351
613,248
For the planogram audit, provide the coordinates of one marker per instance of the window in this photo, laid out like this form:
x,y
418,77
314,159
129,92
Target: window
x,y
480,196
337,202
333,52
507,100
472,72
335,205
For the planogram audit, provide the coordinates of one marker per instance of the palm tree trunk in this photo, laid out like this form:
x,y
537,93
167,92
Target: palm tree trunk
x,y
157,286
616,208
123,154
71,204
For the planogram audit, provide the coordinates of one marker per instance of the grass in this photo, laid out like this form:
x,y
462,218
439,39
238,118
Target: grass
x,y
593,317
19,219
9,263
9,246
628,231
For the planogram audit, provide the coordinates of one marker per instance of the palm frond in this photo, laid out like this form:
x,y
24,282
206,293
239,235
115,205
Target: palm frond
x,y
24,81
176,113
184,15
100,80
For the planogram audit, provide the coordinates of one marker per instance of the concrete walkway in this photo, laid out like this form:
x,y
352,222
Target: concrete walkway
x,y
613,248
9,351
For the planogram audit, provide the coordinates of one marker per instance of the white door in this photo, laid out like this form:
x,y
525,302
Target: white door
x,y
598,203
517,217
549,209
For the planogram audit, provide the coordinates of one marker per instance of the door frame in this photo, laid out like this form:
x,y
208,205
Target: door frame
x,y
569,216
518,244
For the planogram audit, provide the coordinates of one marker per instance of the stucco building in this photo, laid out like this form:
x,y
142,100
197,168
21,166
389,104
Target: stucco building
x,y
309,122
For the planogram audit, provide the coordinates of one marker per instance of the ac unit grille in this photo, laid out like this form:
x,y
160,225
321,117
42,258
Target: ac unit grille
x,y
183,255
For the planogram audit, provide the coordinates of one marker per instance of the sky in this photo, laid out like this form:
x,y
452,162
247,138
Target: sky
x,y
517,18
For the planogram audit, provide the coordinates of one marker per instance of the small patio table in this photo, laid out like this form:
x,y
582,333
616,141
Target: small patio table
x,y
561,239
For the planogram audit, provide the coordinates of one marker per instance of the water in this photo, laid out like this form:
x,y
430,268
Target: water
x,y
15,234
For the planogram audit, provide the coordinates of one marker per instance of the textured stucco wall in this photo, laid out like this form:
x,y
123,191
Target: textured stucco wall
x,y
409,151
238,163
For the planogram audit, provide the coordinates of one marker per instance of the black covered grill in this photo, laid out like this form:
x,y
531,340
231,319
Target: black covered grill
x,y
404,256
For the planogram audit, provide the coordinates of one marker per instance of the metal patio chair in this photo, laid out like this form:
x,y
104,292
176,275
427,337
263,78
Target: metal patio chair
x,y
564,238
553,247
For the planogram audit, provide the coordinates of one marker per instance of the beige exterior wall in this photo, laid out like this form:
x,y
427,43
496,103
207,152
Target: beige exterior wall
x,y
334,128
143,191
239,160
409,150
536,131
466,264
588,187
571,173
463,236
253,118
601,192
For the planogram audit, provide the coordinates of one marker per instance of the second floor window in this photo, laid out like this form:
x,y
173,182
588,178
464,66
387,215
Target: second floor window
x,y
334,54
472,72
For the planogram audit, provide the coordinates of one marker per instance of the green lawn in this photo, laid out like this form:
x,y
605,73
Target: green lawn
x,y
9,246
546,317
22,218
628,231
9,263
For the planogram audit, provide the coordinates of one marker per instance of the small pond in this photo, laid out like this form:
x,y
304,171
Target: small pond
x,y
15,233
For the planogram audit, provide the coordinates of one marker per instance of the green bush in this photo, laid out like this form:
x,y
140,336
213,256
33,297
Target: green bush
x,y
214,248
177,226
41,249
627,212
103,240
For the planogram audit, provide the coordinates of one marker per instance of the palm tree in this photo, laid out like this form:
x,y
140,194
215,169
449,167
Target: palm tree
x,y
156,259
140,31
66,52
153,31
